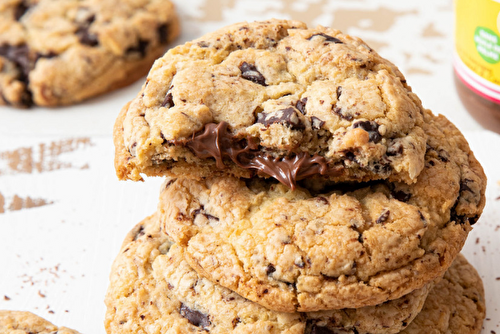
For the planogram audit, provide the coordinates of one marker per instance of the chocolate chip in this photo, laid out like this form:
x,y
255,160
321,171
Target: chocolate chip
x,y
270,269
286,116
327,38
464,185
208,216
443,156
339,92
162,33
301,105
371,127
383,217
196,318
85,37
139,48
20,56
250,72
323,200
299,263
168,102
20,10
138,232
395,149
315,329
235,322
422,218
401,195
340,112
316,123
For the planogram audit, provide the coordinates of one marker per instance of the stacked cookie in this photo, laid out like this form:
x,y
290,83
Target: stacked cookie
x,y
307,191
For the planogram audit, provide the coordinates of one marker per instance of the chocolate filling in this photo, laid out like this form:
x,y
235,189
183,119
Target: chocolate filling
x,y
215,141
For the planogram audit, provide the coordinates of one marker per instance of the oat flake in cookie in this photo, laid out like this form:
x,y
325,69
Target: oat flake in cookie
x,y
59,52
20,322
153,290
273,99
330,246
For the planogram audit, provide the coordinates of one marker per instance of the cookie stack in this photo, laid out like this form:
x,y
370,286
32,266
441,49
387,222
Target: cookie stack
x,y
307,191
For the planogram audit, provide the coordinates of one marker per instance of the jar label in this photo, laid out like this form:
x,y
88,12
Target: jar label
x,y
477,45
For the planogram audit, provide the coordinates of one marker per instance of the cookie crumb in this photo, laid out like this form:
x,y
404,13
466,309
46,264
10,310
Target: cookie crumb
x,y
6,297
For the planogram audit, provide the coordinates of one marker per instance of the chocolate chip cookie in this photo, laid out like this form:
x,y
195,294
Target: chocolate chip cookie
x,y
273,99
330,245
455,305
153,290
62,52
18,322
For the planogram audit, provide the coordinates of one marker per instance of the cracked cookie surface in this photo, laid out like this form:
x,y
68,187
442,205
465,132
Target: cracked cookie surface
x,y
273,99
21,322
153,290
62,52
330,246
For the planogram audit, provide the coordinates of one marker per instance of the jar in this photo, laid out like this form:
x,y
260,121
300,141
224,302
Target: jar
x,y
477,59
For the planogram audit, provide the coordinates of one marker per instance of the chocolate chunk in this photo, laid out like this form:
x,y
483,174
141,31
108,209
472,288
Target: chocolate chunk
x,y
339,92
286,116
168,102
20,10
371,127
208,216
20,56
139,48
327,38
443,156
401,195
162,33
340,112
196,318
301,105
315,329
464,185
383,217
85,37
323,200
250,72
316,123
270,269
138,232
395,149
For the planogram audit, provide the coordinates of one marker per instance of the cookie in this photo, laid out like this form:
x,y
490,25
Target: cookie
x,y
62,52
330,246
153,290
455,305
18,322
273,99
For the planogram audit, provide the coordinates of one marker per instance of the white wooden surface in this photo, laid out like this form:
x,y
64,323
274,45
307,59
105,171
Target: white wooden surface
x,y
63,214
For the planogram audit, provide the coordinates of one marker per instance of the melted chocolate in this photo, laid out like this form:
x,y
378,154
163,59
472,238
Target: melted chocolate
x,y
215,141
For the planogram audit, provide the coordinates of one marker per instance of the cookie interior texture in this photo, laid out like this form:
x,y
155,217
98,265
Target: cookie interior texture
x,y
61,52
273,99
152,289
330,245
22,322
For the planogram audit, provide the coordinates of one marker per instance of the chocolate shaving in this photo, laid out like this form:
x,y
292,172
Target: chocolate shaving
x,y
196,318
215,141
250,72
168,102
327,38
339,92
